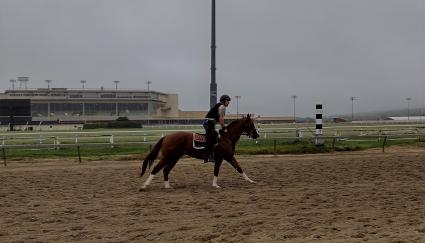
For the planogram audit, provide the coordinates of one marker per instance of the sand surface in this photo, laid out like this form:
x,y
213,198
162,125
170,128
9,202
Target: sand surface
x,y
339,197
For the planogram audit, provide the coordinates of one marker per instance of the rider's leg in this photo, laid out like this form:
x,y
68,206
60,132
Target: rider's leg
x,y
210,130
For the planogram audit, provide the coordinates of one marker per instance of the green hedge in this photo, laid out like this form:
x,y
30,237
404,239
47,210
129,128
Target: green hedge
x,y
114,124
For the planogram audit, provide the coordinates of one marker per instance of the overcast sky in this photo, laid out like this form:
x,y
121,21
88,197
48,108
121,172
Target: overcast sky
x,y
267,50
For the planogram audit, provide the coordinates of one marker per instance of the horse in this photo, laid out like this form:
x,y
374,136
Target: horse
x,y
174,146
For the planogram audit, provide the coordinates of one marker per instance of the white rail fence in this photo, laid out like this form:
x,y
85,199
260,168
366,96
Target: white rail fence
x,y
57,140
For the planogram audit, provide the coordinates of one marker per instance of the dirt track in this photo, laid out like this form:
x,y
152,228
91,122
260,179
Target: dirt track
x,y
344,197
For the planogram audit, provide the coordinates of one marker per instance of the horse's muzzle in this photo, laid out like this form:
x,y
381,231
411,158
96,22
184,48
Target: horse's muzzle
x,y
255,134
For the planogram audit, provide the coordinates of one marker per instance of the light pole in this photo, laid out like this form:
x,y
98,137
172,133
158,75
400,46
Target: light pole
x,y
237,97
48,83
408,107
294,97
23,80
116,84
352,98
149,99
83,82
13,81
116,101
213,84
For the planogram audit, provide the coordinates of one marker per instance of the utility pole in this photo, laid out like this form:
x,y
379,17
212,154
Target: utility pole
x,y
116,101
408,107
213,84
237,97
294,97
83,82
23,80
352,98
48,83
149,100
116,82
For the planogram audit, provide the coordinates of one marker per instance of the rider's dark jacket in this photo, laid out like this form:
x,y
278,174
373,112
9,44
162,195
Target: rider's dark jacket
x,y
213,113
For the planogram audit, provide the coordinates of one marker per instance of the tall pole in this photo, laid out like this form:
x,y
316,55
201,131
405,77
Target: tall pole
x,y
213,84
294,97
408,107
83,82
352,98
149,100
48,83
116,84
237,97
116,101
13,81
23,80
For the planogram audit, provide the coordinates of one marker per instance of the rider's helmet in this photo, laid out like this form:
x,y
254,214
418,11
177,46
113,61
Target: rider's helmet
x,y
224,98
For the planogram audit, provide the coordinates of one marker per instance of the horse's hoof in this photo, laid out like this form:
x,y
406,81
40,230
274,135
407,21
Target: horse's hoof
x,y
216,186
142,189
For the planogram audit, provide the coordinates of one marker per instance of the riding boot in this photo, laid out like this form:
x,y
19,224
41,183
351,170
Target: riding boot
x,y
208,152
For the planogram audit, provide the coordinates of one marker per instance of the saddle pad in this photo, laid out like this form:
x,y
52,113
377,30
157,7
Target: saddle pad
x,y
199,141
199,137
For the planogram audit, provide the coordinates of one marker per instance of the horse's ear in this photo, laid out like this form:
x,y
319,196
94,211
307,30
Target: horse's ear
x,y
248,116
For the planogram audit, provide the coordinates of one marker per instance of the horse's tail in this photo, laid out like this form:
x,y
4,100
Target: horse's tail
x,y
151,156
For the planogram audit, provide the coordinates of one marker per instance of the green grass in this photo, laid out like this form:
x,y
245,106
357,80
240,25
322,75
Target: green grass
x,y
251,147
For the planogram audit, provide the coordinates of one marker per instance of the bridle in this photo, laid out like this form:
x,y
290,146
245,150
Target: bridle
x,y
250,133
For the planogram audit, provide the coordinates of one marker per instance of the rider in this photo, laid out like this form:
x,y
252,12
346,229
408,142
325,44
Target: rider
x,y
216,114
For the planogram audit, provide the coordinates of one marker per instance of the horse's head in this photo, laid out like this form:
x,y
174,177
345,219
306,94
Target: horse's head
x,y
249,127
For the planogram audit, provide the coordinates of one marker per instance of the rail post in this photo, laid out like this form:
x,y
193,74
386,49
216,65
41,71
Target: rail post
x,y
4,156
111,140
274,146
333,143
383,144
57,142
79,153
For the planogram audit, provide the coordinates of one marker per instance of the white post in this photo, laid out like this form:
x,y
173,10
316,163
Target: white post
x,y
111,141
57,142
319,126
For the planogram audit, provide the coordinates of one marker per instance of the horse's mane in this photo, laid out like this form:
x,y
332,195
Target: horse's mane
x,y
234,123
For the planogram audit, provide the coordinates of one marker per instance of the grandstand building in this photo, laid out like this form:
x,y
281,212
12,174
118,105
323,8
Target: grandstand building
x,y
50,106
62,104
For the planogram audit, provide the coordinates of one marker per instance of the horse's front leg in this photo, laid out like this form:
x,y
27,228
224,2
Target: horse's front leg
x,y
216,171
236,165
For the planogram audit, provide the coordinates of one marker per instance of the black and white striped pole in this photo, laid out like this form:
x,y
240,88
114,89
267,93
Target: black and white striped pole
x,y
320,141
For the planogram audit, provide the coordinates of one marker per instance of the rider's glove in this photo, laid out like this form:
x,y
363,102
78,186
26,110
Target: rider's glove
x,y
222,131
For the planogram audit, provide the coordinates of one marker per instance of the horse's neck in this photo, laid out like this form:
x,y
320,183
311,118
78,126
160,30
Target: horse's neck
x,y
235,133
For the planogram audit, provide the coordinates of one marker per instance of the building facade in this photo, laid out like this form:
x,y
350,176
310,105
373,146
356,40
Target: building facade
x,y
96,105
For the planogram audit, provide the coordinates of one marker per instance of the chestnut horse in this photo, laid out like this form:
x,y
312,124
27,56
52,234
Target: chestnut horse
x,y
174,146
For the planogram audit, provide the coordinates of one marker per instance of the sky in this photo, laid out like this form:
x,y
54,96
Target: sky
x,y
267,50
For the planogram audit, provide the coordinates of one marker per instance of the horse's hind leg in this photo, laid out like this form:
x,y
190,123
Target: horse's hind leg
x,y
155,170
167,170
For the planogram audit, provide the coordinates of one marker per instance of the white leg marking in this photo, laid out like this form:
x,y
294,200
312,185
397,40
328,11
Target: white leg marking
x,y
167,184
246,177
214,184
148,181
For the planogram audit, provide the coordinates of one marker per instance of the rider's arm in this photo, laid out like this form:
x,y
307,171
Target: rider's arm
x,y
221,113
221,121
